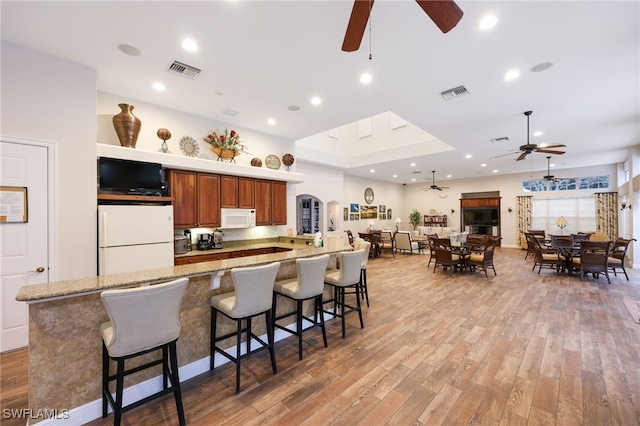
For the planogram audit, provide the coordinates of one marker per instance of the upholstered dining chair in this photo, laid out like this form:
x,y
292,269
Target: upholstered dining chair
x,y
618,254
346,277
252,296
546,258
308,284
594,256
141,320
484,260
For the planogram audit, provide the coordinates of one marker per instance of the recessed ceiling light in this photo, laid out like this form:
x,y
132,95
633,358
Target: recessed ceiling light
x,y
413,180
552,165
293,108
159,87
512,75
448,176
483,165
412,164
542,67
495,170
538,133
190,45
271,121
395,176
316,100
127,49
372,171
467,156
366,78
488,22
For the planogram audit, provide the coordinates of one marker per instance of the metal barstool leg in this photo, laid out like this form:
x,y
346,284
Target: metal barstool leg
x,y
105,380
238,341
270,339
117,409
299,327
214,320
175,382
320,312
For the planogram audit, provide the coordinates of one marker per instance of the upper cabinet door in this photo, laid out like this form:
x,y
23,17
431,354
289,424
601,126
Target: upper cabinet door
x,y
208,200
278,203
183,189
263,202
237,192
246,193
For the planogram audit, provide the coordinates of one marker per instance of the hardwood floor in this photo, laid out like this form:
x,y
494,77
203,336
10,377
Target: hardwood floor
x,y
515,349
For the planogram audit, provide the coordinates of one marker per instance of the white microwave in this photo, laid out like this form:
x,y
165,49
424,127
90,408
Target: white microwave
x,y
238,218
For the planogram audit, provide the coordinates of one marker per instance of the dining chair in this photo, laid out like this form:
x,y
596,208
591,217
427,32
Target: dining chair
x,y
545,257
484,260
349,237
445,256
593,258
618,255
387,242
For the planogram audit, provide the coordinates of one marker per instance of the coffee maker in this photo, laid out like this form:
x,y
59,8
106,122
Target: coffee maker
x,y
217,239
205,241
187,233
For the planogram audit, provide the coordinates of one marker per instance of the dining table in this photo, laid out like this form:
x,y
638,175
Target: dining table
x,y
374,238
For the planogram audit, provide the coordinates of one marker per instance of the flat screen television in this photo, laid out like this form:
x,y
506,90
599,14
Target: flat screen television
x,y
480,216
130,177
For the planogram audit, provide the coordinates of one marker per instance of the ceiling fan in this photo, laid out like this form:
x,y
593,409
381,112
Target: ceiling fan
x,y
549,176
528,148
433,184
444,13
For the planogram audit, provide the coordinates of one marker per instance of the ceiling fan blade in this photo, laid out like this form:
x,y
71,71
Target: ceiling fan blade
x,y
522,156
443,187
444,13
438,188
357,25
560,145
509,153
548,151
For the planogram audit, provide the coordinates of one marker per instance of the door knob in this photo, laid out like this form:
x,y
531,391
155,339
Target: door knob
x,y
39,269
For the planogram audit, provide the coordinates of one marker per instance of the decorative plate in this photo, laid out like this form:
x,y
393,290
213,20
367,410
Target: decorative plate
x,y
272,162
189,146
432,211
368,195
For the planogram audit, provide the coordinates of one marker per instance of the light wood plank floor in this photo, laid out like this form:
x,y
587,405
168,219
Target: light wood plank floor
x,y
515,349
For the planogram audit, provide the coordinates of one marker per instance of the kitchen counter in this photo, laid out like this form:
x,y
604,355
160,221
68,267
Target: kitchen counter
x,y
40,292
65,343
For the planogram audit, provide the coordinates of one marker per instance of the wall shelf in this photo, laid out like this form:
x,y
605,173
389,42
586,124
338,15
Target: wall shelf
x,y
182,162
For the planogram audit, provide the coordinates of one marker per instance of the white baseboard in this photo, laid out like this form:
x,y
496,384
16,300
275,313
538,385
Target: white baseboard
x,y
93,410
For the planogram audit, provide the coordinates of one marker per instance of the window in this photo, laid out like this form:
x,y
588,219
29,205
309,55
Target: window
x,y
580,214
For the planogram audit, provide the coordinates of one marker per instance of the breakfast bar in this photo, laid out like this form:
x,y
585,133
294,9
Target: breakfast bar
x,y
65,343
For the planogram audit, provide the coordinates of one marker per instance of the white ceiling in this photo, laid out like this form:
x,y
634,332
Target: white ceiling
x,y
260,57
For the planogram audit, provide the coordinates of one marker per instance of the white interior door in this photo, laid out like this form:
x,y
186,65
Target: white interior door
x,y
23,246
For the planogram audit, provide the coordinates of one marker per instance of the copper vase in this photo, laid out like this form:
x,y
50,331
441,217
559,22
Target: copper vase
x,y
127,126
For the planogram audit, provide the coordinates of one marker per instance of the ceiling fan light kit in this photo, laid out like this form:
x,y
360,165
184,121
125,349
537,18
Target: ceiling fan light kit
x,y
433,184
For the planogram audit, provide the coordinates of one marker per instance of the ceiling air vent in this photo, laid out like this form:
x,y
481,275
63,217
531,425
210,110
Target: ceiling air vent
x,y
183,70
502,139
455,92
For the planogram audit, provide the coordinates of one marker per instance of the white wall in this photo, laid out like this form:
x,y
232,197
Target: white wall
x,y
49,99
389,194
510,186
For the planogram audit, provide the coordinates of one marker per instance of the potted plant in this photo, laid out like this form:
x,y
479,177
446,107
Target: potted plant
x,y
414,218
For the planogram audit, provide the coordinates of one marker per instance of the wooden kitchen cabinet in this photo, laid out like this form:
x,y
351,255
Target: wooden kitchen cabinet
x,y
271,202
196,199
237,192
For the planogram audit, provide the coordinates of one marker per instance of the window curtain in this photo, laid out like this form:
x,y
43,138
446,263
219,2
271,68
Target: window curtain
x,y
523,211
607,213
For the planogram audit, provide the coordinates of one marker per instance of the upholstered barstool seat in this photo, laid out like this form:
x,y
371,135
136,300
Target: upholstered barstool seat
x,y
346,277
252,296
361,244
308,284
142,320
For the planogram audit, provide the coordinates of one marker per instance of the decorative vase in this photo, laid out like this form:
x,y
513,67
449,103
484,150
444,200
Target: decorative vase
x,y
225,154
256,162
127,126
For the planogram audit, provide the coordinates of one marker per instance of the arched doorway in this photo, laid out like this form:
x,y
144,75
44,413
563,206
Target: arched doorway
x,y
309,214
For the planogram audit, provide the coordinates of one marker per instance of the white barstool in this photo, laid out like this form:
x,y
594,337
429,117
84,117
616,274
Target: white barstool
x,y
362,244
142,320
348,276
308,284
252,296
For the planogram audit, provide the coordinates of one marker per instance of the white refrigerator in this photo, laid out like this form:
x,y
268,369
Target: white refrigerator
x,y
134,238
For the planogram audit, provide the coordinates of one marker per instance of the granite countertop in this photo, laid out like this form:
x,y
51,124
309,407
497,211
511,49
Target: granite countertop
x,y
78,287
296,245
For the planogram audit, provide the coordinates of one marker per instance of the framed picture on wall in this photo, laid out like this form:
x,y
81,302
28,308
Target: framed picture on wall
x,y
345,214
389,214
382,209
355,216
368,212
354,208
